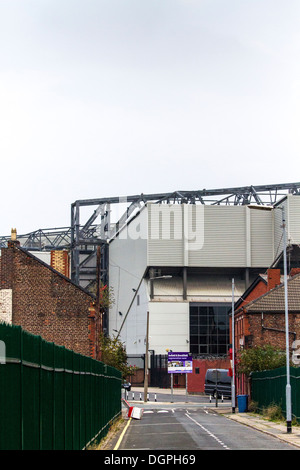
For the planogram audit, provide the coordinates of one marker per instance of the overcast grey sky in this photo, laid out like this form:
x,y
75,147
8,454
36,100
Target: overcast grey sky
x,y
117,97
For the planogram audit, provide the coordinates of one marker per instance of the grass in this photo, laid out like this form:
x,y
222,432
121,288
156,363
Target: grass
x,y
115,427
273,412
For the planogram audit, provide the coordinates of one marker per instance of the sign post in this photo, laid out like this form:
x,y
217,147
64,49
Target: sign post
x,y
179,363
186,387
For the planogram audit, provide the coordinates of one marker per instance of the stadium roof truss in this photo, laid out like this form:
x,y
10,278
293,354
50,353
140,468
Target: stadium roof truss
x,y
97,229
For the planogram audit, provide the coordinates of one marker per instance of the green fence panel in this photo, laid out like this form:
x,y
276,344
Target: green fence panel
x,y
59,399
52,398
47,396
30,390
68,398
269,387
10,389
82,399
76,401
104,396
88,402
98,399
295,386
93,398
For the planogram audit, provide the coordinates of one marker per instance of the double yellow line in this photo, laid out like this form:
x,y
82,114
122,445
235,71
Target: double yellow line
x,y
122,435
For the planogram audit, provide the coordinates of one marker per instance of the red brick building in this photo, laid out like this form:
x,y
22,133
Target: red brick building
x,y
44,302
261,285
196,380
260,318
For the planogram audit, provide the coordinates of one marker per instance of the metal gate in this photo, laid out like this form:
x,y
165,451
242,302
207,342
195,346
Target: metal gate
x,y
159,376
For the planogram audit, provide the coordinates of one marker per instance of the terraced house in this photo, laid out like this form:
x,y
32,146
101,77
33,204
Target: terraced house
x,y
45,302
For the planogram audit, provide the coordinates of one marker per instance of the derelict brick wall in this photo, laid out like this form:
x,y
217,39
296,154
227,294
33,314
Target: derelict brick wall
x,y
6,270
262,336
46,303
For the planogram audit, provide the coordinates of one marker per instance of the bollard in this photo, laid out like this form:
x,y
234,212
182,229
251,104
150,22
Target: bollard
x,y
147,396
155,397
222,398
209,398
133,395
140,397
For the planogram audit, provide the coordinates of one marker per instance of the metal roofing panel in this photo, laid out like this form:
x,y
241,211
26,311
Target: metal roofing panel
x,y
206,289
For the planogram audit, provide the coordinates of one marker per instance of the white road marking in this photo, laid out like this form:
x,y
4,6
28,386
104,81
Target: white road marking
x,y
208,432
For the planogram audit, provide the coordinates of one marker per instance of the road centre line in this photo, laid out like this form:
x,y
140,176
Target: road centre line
x,y
207,431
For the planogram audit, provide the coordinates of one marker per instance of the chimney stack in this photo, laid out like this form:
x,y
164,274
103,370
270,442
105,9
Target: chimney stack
x,y
13,235
294,271
273,278
13,239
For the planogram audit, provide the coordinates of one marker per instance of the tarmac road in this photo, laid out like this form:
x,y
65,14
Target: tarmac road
x,y
181,423
193,429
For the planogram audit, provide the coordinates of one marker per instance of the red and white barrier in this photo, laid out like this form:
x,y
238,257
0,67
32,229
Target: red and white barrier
x,y
133,411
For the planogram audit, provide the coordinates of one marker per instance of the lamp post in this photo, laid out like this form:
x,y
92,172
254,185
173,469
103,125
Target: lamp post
x,y
233,352
146,361
288,385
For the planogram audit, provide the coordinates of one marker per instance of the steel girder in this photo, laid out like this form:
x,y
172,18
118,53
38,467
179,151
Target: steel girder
x,y
258,195
82,239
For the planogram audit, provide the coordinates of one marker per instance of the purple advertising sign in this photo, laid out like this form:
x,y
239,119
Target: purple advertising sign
x,y
180,363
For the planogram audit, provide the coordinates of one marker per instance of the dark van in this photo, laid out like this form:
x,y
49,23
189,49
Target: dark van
x,y
217,380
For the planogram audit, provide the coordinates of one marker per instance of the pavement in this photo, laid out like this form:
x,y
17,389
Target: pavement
x,y
275,429
179,397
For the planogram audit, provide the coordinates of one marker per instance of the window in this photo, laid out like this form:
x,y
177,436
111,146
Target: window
x,y
209,329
